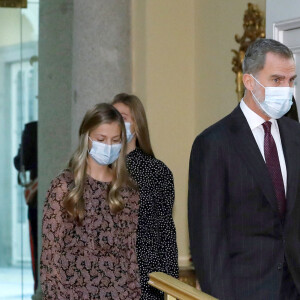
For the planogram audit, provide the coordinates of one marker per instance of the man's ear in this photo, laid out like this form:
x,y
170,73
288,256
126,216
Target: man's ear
x,y
248,81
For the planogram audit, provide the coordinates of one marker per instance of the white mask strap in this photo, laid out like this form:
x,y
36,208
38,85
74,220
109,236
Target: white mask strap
x,y
257,81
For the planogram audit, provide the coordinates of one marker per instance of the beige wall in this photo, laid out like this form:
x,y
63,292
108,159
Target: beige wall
x,y
182,72
216,24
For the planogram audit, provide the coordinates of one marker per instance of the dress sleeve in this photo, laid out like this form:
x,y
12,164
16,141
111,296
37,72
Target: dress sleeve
x,y
167,232
52,234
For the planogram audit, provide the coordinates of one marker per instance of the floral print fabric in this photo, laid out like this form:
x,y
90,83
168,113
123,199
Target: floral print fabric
x,y
96,260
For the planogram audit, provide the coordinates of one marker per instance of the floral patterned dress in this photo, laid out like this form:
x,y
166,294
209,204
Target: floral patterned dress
x,y
96,260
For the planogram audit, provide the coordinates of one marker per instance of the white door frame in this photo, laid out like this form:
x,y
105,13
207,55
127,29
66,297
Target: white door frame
x,y
280,27
278,33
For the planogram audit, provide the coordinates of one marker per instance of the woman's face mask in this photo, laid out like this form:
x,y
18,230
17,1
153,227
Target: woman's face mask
x,y
129,135
104,154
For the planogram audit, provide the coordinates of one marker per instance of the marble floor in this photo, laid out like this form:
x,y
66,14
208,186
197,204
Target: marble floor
x,y
11,283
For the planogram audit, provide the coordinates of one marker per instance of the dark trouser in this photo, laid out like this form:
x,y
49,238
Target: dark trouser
x,y
33,228
288,290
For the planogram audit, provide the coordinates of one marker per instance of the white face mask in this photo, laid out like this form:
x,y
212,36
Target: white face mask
x,y
104,154
129,135
278,100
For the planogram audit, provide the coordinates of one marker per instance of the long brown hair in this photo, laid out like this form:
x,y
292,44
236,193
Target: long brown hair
x,y
139,117
73,202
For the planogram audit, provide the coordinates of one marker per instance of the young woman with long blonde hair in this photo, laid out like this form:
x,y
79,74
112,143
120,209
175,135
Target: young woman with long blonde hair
x,y
91,216
156,237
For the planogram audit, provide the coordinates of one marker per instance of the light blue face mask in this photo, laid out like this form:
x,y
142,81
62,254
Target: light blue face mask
x,y
129,135
278,100
104,154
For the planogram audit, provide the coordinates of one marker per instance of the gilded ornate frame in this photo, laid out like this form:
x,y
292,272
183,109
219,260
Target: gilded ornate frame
x,y
254,27
13,3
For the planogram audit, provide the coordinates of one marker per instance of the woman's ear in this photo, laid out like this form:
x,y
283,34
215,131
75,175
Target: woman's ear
x,y
248,81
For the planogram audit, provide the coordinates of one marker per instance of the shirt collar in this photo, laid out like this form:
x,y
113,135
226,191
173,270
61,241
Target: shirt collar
x,y
253,119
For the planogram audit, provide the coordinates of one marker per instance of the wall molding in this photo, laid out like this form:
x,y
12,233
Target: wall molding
x,y
281,26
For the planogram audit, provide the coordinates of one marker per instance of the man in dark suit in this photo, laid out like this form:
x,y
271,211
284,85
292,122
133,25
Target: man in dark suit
x,y
244,187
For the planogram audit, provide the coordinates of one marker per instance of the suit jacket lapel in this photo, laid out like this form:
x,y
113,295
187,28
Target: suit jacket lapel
x,y
291,150
246,147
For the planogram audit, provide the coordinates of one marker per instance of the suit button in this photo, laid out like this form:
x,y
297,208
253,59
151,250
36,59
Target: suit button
x,y
279,266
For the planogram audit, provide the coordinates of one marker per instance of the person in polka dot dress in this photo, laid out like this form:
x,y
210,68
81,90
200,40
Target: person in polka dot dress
x,y
156,235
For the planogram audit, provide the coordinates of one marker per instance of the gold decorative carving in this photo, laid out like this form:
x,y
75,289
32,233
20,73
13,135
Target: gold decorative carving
x,y
254,27
13,3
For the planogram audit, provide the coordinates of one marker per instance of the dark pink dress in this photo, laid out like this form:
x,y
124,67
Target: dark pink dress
x,y
96,260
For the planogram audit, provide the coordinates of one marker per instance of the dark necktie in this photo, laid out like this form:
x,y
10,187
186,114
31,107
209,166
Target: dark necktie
x,y
272,162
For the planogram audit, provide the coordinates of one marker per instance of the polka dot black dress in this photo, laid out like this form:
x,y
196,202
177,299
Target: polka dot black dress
x,y
156,236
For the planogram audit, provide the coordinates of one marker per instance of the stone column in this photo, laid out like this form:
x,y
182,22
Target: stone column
x,y
101,54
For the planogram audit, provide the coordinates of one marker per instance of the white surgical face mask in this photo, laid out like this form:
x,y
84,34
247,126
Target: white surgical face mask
x,y
278,100
129,135
104,154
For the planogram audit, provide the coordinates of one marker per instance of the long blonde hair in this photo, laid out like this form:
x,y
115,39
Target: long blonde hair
x,y
74,202
139,117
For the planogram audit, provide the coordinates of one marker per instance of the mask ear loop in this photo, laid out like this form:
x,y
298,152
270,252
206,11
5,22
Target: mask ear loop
x,y
88,145
257,81
258,102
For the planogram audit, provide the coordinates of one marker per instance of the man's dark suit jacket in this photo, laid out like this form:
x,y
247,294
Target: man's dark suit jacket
x,y
237,238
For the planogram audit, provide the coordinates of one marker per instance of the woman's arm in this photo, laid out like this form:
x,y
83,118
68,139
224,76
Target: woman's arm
x,y
167,232
52,233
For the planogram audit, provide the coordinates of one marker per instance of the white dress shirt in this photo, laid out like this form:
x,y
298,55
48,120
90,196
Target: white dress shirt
x,y
255,123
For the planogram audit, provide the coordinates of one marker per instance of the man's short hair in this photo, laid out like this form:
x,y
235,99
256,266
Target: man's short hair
x,y
255,55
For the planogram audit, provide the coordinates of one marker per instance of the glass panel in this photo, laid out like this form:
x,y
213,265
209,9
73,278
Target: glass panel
x,y
18,106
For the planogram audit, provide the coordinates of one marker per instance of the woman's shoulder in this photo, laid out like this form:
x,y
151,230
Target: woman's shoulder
x,y
61,183
137,155
158,167
140,157
64,177
144,164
